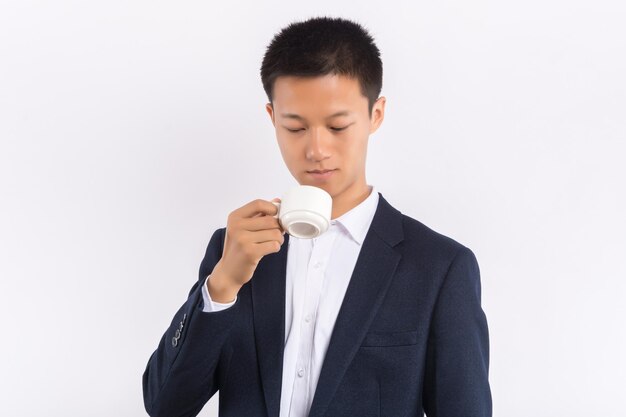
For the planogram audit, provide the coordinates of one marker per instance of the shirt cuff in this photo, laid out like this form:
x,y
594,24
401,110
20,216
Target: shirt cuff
x,y
209,304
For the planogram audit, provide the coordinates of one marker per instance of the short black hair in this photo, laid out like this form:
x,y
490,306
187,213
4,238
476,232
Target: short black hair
x,y
324,45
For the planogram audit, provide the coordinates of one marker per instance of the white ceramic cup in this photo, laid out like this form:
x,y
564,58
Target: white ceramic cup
x,y
304,211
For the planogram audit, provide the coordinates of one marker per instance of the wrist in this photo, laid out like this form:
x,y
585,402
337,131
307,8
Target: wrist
x,y
221,288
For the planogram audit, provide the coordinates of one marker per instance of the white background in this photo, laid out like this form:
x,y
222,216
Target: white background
x,y
130,129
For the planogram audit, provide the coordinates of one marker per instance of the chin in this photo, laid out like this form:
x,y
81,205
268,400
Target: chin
x,y
325,187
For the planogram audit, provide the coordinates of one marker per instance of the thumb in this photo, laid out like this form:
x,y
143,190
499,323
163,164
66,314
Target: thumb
x,y
276,199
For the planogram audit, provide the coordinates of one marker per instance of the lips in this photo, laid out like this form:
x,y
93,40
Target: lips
x,y
317,171
321,175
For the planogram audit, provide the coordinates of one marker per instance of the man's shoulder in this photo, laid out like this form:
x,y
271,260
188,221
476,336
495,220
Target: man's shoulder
x,y
425,240
419,240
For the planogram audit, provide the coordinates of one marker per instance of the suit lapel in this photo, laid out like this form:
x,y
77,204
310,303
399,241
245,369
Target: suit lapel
x,y
268,304
376,263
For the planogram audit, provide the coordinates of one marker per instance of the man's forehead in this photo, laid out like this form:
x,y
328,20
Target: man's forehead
x,y
290,85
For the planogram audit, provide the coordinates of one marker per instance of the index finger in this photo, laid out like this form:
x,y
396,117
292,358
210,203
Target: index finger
x,y
257,207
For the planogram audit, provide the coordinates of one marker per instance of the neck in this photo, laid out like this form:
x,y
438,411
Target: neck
x,y
344,203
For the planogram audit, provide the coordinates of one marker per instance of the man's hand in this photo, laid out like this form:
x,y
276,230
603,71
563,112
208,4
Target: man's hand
x,y
251,233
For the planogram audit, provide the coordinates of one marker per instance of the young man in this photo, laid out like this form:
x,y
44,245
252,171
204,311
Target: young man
x,y
379,316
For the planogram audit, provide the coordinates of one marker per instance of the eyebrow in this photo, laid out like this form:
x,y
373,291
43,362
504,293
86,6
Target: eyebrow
x,y
298,117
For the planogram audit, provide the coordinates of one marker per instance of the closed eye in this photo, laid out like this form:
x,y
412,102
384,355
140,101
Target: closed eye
x,y
335,129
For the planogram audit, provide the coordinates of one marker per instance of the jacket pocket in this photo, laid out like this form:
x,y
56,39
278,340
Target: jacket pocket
x,y
390,338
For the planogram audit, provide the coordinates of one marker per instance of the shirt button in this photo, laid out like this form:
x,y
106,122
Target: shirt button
x,y
300,372
318,264
307,318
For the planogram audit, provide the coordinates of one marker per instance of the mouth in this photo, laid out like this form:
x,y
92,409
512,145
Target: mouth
x,y
318,171
321,174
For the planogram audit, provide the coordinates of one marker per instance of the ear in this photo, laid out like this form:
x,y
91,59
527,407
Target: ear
x,y
270,110
378,114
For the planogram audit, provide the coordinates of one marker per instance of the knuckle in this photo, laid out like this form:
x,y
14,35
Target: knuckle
x,y
231,222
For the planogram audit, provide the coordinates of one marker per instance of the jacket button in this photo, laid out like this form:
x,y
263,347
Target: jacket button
x,y
177,334
174,341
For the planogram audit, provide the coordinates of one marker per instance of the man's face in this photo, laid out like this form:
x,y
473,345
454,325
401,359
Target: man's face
x,y
323,123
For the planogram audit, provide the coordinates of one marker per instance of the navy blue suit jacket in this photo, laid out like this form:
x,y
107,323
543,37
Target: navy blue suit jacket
x,y
410,337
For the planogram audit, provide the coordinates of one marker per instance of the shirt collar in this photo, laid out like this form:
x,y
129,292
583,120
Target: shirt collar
x,y
357,220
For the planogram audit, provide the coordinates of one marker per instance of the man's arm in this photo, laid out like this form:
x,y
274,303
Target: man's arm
x,y
457,360
181,375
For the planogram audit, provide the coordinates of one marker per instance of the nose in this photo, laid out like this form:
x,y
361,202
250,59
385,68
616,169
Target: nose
x,y
318,147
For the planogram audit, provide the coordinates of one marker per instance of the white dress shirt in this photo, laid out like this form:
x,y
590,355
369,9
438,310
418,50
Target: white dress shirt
x,y
318,273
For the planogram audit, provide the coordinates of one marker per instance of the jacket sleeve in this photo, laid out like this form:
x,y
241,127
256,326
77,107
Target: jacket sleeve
x,y
182,373
457,359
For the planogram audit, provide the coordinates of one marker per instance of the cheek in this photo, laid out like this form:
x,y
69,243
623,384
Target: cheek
x,y
356,147
288,149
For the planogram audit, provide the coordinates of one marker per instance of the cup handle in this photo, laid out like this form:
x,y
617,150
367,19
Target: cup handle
x,y
277,204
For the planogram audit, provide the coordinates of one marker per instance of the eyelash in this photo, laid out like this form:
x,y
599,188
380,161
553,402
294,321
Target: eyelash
x,y
336,129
